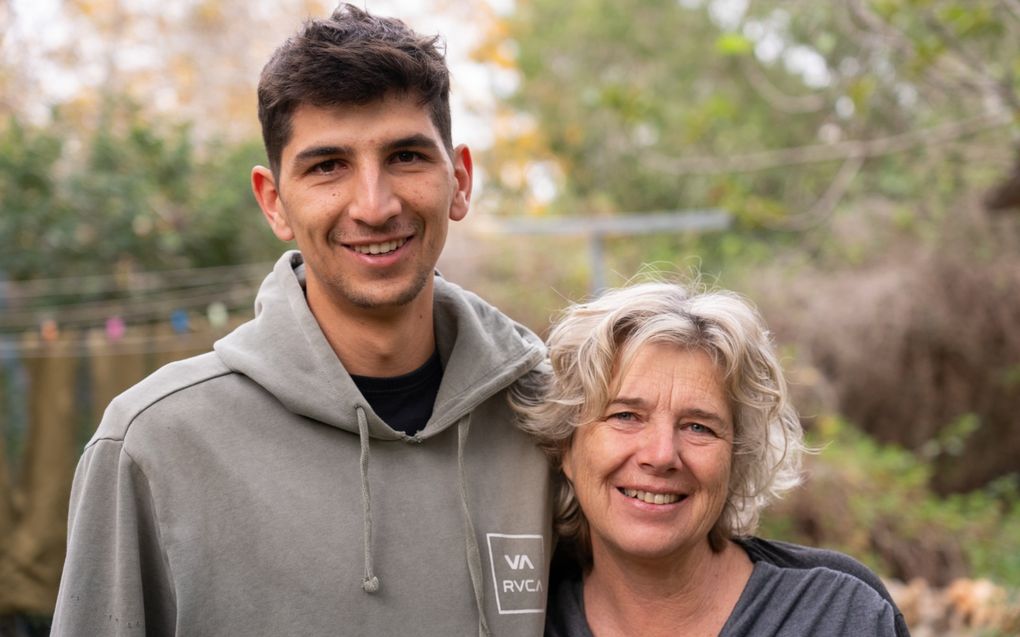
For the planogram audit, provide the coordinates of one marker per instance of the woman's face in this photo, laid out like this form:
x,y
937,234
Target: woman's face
x,y
652,474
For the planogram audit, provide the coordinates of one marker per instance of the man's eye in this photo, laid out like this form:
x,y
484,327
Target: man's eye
x,y
325,167
406,157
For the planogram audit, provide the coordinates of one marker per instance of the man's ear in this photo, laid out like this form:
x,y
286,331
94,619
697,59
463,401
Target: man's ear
x,y
463,175
263,184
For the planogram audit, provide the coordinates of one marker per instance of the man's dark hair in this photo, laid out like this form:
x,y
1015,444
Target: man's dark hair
x,y
351,58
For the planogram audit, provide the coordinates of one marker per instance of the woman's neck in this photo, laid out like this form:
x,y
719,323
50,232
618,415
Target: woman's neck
x,y
692,594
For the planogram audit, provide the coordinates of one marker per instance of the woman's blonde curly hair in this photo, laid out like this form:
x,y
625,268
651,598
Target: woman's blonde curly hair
x,y
592,341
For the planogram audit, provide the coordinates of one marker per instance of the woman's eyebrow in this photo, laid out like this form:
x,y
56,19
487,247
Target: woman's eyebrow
x,y
692,412
702,414
626,401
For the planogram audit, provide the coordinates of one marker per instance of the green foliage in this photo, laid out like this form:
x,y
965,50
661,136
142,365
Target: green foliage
x,y
626,95
952,440
884,490
28,194
733,44
132,193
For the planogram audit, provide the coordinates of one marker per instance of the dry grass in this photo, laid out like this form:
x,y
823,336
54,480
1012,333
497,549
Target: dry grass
x,y
921,347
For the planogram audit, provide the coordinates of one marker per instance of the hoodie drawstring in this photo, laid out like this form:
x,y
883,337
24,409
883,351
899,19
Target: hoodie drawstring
x,y
474,560
371,583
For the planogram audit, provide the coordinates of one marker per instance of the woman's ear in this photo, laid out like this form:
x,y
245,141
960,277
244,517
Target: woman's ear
x,y
566,461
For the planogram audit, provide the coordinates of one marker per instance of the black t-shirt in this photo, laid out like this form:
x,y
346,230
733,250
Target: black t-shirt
x,y
404,402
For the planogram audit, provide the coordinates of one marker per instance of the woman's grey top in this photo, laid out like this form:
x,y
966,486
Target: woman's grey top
x,y
793,591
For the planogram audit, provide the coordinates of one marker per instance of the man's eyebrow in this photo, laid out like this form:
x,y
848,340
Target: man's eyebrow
x,y
315,152
417,140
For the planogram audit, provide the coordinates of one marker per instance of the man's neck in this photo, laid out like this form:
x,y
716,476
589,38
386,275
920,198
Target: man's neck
x,y
377,342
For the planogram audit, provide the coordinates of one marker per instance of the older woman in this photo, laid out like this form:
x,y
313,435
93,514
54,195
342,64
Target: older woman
x,y
668,415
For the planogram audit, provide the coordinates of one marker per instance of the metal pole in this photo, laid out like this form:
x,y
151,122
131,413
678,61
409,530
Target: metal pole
x,y
597,257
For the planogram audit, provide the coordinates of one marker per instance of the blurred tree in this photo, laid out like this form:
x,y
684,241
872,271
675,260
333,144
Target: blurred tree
x,y
852,140
777,111
129,139
136,193
196,59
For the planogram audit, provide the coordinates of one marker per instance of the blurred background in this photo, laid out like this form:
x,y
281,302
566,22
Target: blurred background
x,y
852,166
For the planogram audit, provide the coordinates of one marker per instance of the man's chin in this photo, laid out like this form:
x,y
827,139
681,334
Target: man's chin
x,y
386,299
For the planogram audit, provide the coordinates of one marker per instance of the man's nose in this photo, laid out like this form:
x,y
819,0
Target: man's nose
x,y
374,201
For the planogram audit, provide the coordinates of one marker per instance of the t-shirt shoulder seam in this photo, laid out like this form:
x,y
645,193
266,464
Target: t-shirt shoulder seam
x,y
836,572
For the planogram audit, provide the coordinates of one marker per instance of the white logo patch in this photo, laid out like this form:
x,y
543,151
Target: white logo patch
x,y
519,562
518,582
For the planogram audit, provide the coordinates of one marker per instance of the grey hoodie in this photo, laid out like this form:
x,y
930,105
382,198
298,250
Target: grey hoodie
x,y
253,491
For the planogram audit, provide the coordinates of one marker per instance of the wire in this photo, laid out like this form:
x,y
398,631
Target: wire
x,y
133,281
130,310
92,344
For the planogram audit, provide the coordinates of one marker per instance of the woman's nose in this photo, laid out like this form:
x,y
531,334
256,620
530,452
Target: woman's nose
x,y
658,451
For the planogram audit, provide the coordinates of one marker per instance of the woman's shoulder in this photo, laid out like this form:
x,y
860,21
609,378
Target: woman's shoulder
x,y
834,581
796,556
814,601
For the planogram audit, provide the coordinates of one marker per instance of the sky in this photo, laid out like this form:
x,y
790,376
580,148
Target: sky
x,y
39,27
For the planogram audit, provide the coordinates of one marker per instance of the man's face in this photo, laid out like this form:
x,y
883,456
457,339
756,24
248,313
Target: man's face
x,y
367,192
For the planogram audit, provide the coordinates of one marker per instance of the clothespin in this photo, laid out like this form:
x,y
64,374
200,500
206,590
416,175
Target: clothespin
x,y
49,330
179,321
115,328
217,314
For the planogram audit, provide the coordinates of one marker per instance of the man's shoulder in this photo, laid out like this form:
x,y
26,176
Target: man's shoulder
x,y
169,380
464,317
448,293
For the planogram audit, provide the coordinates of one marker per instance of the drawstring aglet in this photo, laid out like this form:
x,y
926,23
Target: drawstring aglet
x,y
370,584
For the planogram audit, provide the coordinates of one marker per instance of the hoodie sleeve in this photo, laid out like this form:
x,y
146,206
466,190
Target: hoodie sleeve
x,y
116,580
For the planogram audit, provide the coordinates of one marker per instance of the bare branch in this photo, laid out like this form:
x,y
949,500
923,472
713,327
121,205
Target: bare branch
x,y
972,63
800,155
947,72
840,184
793,104
877,26
1013,6
826,204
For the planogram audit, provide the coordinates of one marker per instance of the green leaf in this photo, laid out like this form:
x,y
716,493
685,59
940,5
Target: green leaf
x,y
733,44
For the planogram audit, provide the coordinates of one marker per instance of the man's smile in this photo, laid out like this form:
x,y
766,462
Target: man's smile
x,y
378,248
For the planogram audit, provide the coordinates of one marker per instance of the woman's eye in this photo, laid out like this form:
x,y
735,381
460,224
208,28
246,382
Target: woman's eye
x,y
698,428
625,416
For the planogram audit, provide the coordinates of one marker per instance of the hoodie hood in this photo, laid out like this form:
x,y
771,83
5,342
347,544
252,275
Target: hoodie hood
x,y
284,351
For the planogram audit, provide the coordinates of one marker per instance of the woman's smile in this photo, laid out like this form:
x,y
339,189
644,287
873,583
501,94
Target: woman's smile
x,y
652,475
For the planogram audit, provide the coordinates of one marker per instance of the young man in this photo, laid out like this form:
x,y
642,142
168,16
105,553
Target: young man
x,y
345,463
